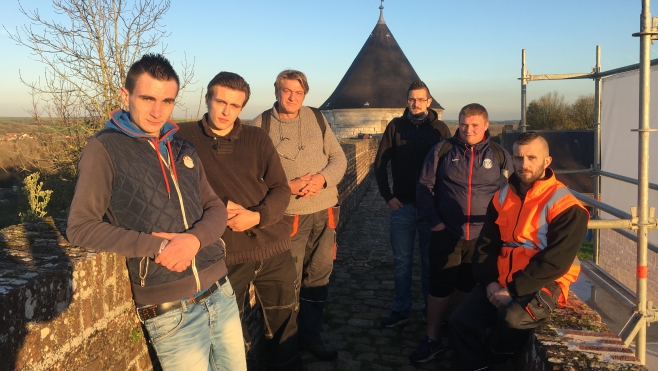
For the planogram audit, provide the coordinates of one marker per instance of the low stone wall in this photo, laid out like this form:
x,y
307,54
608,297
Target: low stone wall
x,y
70,308
63,307
360,155
574,339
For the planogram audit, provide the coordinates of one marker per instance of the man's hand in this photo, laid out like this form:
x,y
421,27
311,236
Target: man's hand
x,y
497,295
438,227
394,204
493,288
243,219
180,250
315,184
232,205
297,184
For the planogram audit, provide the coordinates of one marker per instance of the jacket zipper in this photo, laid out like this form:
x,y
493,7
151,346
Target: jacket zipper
x,y
470,189
182,209
516,223
511,264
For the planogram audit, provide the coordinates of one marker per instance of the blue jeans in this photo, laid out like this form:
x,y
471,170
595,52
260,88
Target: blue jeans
x,y
404,223
200,337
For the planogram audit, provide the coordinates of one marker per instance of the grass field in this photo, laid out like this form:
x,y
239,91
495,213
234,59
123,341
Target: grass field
x,y
586,251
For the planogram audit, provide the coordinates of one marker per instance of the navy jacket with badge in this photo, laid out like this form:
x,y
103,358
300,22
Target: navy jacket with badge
x,y
457,188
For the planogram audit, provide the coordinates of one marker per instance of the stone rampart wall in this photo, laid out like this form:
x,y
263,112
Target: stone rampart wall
x,y
64,307
360,155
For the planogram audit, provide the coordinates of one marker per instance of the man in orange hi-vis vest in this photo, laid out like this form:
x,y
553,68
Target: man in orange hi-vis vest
x,y
524,260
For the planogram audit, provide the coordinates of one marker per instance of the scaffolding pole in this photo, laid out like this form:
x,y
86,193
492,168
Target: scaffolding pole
x,y
643,176
596,234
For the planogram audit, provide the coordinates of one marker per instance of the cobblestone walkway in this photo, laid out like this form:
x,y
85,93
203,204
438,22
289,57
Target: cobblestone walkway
x,y
360,294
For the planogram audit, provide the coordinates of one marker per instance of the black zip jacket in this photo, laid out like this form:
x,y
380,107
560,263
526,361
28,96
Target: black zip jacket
x,y
405,145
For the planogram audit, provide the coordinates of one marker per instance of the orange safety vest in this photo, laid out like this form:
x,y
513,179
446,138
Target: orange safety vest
x,y
524,224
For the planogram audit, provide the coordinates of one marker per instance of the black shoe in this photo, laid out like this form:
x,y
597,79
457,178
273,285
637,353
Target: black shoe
x,y
394,319
319,349
427,350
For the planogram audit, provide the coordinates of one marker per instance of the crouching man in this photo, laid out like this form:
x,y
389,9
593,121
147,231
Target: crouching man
x,y
165,219
524,262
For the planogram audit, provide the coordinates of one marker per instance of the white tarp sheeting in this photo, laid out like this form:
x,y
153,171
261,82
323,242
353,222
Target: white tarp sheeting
x,y
619,145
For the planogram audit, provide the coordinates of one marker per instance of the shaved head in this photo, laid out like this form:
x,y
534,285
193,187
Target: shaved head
x,y
531,136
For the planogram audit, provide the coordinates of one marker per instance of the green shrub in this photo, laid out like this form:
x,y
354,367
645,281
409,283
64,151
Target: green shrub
x,y
37,198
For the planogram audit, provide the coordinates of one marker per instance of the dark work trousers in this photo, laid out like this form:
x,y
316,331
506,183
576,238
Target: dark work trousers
x,y
312,249
484,335
274,287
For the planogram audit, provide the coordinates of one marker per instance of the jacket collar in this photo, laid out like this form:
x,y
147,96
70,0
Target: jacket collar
x,y
430,118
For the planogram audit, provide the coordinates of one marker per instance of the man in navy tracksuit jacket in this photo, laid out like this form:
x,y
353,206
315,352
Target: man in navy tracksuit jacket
x,y
459,177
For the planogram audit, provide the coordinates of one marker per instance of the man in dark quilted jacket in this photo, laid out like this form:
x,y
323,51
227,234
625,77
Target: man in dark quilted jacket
x,y
143,193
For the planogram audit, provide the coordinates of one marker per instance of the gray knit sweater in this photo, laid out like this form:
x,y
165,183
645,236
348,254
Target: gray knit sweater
x,y
302,150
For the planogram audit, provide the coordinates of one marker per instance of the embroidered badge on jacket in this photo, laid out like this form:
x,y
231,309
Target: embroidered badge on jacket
x,y
189,163
487,163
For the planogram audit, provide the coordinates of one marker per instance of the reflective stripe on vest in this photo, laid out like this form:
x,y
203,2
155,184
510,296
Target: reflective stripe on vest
x,y
524,223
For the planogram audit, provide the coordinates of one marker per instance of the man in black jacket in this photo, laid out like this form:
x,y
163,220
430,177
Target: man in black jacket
x,y
244,170
405,143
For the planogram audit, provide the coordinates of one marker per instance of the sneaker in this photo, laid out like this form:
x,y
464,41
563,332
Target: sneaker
x,y
394,319
427,350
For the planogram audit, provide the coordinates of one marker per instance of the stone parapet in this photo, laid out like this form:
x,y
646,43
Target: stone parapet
x,y
64,307
574,338
360,155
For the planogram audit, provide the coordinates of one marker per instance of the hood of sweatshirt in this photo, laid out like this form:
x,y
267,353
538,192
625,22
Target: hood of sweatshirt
x,y
120,121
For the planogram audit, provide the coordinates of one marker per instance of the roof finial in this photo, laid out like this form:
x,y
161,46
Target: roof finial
x,y
381,13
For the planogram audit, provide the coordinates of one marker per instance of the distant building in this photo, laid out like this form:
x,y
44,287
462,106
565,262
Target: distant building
x,y
372,92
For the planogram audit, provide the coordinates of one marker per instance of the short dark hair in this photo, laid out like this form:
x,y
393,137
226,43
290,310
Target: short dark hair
x,y
292,75
527,137
156,65
473,109
229,80
417,85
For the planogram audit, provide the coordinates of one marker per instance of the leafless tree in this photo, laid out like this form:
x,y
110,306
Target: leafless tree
x,y
86,52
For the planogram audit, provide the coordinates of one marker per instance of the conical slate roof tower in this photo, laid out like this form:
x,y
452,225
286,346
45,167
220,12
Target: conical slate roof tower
x,y
379,76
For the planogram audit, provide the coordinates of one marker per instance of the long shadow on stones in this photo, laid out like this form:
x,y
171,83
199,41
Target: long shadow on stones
x,y
35,287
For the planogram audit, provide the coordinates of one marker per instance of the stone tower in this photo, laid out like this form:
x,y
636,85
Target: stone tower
x,y
372,92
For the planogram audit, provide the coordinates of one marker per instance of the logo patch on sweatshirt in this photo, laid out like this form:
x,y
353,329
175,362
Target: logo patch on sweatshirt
x,y
188,162
487,163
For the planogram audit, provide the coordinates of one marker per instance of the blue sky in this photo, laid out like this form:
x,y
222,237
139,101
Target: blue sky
x,y
466,51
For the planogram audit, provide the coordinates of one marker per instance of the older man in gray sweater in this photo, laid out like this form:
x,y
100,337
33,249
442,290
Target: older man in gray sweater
x,y
314,163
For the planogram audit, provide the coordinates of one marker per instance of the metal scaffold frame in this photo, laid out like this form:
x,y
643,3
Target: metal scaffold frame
x,y
642,218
